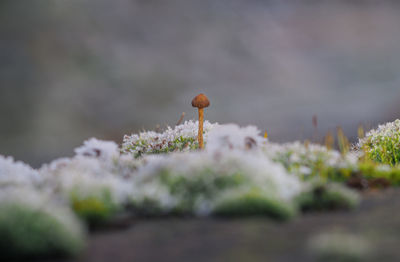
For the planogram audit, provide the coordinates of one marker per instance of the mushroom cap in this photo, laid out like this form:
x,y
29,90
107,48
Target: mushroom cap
x,y
200,101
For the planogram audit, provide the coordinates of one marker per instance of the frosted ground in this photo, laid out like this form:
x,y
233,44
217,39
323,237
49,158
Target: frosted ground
x,y
164,175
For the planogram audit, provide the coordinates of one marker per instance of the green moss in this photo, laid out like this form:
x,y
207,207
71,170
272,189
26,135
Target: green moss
x,y
384,150
327,197
368,170
179,144
254,203
336,174
371,170
382,145
31,233
202,185
93,209
314,161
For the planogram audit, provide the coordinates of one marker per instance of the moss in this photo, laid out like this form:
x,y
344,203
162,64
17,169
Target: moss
x,y
314,161
384,150
327,197
93,209
203,185
371,170
254,203
179,144
382,145
27,232
337,174
368,170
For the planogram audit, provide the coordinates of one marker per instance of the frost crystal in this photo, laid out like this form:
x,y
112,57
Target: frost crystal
x,y
180,138
85,176
93,147
233,137
34,199
194,180
308,159
16,173
34,224
382,144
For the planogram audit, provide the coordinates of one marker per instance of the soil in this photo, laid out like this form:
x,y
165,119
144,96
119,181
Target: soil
x,y
377,220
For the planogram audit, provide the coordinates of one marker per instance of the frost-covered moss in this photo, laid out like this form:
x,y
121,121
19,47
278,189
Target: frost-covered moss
x,y
327,196
204,186
180,138
382,144
253,202
31,226
231,137
94,209
96,182
191,183
371,171
233,175
17,173
312,160
90,188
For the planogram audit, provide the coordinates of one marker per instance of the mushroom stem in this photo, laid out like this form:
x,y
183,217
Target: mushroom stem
x,y
200,101
200,133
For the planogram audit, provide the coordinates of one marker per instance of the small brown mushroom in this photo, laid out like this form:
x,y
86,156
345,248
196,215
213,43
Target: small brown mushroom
x,y
200,101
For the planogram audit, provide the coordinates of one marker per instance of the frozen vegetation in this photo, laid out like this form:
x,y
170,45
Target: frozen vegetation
x,y
238,173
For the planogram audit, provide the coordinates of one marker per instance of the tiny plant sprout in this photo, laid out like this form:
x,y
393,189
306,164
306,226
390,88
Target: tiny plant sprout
x,y
361,132
329,141
181,119
200,101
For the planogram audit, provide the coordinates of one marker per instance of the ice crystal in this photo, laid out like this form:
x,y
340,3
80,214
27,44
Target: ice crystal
x,y
192,181
382,144
16,173
85,176
180,138
309,160
35,225
233,137
93,147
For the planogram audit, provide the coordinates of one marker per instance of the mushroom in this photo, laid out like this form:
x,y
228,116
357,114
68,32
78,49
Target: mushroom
x,y
200,101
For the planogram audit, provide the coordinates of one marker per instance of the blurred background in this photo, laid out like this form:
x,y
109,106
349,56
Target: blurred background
x,y
70,70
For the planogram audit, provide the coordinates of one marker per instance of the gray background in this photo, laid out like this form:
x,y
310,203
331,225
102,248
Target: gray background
x,y
70,70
